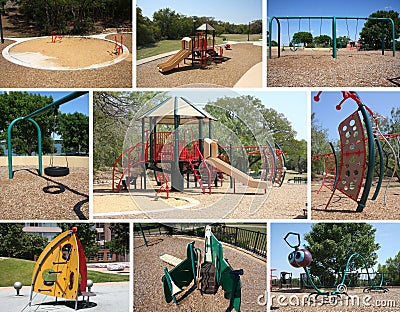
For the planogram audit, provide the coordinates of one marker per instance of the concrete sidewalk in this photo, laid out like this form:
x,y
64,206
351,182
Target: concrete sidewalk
x,y
252,78
109,297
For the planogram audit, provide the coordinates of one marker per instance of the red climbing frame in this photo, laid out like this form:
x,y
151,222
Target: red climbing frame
x,y
352,157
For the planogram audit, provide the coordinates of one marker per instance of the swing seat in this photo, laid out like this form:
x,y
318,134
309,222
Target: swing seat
x,y
56,171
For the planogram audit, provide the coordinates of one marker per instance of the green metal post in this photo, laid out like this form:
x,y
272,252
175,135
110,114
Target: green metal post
x,y
143,152
274,159
393,37
201,138
144,236
334,37
381,168
9,145
383,38
371,159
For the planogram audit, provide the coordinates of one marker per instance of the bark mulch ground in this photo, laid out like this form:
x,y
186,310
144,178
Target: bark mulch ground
x,y
28,196
240,59
115,76
344,208
286,301
148,270
320,69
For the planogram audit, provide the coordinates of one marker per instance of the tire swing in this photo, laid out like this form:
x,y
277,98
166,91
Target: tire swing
x,y
56,171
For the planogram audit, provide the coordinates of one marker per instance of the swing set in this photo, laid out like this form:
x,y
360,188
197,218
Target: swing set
x,y
51,170
334,20
359,141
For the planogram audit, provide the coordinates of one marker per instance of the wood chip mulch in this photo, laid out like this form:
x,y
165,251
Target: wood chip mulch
x,y
344,208
148,270
241,58
28,196
320,69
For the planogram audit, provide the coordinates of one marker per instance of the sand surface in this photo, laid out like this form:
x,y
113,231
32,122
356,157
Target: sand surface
x,y
246,203
70,52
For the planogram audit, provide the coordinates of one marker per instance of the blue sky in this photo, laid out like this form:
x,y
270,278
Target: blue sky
x,y
381,102
237,12
355,8
291,104
385,236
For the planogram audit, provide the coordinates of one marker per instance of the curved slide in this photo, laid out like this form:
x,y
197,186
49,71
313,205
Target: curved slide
x,y
174,61
236,173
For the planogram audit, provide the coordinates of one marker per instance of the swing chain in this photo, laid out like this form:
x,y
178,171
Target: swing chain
x,y
53,135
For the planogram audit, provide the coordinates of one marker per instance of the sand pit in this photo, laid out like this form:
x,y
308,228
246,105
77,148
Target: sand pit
x,y
69,53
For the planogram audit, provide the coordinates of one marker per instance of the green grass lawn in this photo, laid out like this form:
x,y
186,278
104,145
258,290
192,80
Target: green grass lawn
x,y
160,47
13,270
165,46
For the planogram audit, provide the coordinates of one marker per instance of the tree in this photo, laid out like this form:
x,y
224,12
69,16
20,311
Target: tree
x,y
112,114
341,42
331,244
74,131
244,120
323,41
168,22
119,243
319,144
302,37
87,235
371,33
392,266
24,133
145,29
17,244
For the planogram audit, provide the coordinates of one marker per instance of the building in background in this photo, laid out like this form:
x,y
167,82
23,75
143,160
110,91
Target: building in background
x,y
43,229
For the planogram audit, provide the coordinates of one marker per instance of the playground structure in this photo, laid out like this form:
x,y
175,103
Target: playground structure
x,y
334,30
60,270
207,273
359,140
303,258
171,155
119,47
197,48
53,171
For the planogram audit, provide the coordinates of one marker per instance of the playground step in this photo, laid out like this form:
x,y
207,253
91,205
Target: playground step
x,y
208,278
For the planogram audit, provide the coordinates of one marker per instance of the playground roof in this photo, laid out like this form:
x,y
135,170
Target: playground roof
x,y
205,27
188,113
